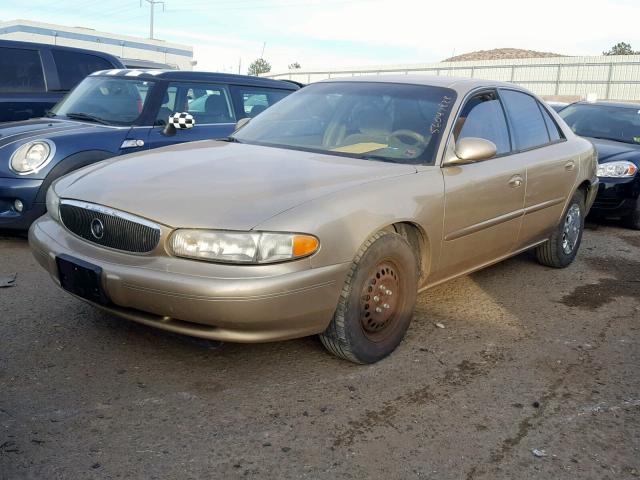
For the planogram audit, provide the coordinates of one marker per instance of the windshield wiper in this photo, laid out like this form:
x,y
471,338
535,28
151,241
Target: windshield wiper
x,y
380,158
87,117
621,140
50,114
230,140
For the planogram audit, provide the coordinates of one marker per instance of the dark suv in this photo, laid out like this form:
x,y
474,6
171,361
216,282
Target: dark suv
x,y
35,76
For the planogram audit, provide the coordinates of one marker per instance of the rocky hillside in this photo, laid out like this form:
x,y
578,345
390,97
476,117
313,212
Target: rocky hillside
x,y
499,54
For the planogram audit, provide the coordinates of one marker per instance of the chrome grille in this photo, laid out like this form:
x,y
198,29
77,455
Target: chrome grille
x,y
109,228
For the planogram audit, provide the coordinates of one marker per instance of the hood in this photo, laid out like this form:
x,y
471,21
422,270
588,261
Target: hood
x,y
222,185
40,128
610,150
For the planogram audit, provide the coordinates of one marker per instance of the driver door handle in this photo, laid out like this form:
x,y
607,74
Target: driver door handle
x,y
516,181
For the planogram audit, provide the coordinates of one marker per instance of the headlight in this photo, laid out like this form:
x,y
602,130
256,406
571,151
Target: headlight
x,y
32,156
619,169
53,204
242,247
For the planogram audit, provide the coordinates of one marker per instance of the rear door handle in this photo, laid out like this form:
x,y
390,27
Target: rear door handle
x,y
516,181
570,165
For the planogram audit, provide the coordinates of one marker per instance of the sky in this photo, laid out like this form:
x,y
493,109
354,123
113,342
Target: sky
x,y
346,33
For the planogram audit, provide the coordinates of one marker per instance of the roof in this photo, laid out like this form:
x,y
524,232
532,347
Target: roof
x,y
461,84
605,103
188,76
37,45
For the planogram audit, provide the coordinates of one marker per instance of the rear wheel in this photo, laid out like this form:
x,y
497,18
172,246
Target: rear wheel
x,y
377,301
563,244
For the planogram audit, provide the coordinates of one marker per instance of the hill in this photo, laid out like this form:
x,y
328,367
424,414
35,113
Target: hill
x,y
500,54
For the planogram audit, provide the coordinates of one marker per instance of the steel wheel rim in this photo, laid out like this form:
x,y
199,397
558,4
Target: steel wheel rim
x,y
571,229
380,301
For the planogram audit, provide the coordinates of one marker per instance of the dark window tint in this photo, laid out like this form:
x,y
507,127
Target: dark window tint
x,y
20,71
254,101
554,132
209,104
483,117
529,128
617,123
73,66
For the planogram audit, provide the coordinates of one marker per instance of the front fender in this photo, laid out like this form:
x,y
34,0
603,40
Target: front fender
x,y
343,221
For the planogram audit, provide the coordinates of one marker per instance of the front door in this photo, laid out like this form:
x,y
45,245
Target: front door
x,y
210,105
484,200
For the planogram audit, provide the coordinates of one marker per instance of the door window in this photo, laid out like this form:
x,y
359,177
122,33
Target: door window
x,y
209,104
20,71
483,117
529,127
73,66
256,100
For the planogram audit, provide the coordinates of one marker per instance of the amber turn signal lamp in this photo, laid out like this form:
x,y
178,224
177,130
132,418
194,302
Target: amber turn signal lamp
x,y
304,245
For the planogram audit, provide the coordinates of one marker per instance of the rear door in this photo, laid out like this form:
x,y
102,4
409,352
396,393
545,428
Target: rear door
x,y
551,168
483,201
209,104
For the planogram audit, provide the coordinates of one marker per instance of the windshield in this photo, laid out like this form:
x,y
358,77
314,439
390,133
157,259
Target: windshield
x,y
377,121
117,101
621,124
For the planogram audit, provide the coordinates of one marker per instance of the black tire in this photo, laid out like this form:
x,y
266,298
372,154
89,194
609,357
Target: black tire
x,y
633,219
371,319
553,253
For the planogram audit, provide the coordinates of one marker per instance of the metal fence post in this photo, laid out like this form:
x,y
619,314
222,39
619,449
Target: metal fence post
x,y
558,79
609,77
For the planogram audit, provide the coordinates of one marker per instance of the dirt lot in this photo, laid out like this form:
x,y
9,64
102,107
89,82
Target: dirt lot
x,y
530,358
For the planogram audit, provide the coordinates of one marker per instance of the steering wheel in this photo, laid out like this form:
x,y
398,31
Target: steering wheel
x,y
418,139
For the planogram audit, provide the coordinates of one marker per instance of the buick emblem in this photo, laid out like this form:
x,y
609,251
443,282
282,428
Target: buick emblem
x,y
97,228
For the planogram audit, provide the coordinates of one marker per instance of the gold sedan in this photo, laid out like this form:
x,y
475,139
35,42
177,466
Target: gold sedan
x,y
325,214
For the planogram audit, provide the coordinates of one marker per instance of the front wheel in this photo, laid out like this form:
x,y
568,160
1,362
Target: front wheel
x,y
377,301
563,244
633,219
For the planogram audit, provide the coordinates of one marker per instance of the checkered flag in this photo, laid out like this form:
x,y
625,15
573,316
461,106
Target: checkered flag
x,y
182,120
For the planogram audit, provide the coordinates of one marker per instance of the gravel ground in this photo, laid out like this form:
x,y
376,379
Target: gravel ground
x,y
530,358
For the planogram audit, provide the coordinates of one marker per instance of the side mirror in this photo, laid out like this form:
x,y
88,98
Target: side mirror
x,y
241,123
471,150
179,121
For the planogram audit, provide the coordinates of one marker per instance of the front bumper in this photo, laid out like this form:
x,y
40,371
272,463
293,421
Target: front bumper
x,y
616,196
218,302
25,190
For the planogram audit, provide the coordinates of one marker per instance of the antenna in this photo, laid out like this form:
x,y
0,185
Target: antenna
x,y
152,5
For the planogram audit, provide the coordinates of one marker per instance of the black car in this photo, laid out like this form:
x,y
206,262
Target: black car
x,y
35,76
614,129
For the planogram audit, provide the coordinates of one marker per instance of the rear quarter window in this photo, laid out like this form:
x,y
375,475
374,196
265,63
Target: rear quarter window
x,y
554,131
20,70
72,67
255,100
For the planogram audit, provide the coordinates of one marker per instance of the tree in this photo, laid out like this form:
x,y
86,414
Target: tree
x,y
621,48
259,66
294,66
